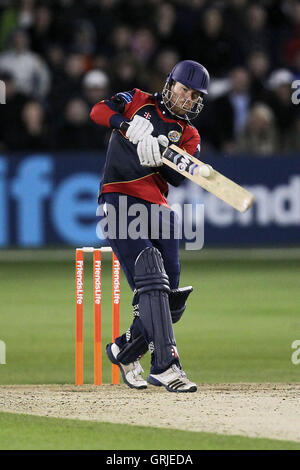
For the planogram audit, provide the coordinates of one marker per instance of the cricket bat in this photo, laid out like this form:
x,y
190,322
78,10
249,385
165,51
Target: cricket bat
x,y
217,184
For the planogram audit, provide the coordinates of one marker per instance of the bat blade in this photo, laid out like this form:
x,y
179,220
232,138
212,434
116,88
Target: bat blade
x,y
217,184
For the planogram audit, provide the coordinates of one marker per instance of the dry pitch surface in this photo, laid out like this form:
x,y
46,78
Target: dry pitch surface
x,y
253,410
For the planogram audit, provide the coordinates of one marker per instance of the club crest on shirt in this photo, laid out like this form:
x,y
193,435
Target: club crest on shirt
x,y
174,136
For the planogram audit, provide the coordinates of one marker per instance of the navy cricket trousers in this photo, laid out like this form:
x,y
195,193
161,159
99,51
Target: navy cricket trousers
x,y
128,249
128,246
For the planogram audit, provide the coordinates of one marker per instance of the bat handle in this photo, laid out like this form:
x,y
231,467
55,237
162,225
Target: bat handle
x,y
124,127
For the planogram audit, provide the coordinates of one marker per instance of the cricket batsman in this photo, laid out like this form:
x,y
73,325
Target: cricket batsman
x,y
135,174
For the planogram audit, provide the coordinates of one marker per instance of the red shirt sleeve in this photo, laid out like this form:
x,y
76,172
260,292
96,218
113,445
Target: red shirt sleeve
x,y
111,113
101,114
190,141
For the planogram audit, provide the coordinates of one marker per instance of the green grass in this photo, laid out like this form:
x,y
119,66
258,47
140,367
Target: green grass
x,y
24,432
239,325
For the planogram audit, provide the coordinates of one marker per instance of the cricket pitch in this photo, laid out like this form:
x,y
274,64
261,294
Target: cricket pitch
x,y
253,410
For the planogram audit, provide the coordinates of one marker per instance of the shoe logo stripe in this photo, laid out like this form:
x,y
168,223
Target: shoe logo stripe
x,y
174,382
176,387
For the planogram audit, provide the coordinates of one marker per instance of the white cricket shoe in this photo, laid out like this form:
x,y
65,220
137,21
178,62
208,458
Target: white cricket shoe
x,y
174,379
131,373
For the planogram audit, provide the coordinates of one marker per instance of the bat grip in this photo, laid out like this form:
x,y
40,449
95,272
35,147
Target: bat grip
x,y
124,127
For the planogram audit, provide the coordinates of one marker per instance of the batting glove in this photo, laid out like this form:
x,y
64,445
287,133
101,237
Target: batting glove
x,y
148,152
139,128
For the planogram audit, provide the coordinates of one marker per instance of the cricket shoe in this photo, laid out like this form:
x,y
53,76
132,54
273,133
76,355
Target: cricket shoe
x,y
173,379
131,373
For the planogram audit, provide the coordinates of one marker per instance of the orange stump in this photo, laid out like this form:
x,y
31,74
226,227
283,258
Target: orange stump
x,y
97,285
79,317
97,319
115,311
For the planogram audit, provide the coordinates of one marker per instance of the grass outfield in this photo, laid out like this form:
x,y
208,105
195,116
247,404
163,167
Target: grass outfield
x,y
24,432
239,325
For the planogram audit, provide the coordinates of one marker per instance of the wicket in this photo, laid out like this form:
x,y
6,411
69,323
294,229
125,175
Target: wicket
x,y
97,271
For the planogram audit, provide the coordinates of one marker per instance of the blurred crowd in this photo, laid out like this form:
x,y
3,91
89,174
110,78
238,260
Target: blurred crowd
x,y
58,58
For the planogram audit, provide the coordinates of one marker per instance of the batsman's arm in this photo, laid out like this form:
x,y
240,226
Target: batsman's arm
x,y
214,182
110,113
114,112
147,157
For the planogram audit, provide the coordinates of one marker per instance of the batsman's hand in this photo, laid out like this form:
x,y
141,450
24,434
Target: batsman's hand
x,y
139,128
148,152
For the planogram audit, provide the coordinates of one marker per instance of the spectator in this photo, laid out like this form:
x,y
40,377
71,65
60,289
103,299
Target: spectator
x,y
280,101
77,132
126,73
234,17
164,62
29,70
211,45
296,65
187,24
55,58
143,46
100,61
104,15
292,141
231,111
258,63
119,41
33,134
260,135
74,133
255,34
10,120
234,14
84,38
95,87
292,44
26,11
67,84
8,23
43,30
165,23
53,45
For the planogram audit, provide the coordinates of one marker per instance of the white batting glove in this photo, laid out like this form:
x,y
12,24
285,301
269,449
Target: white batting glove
x,y
139,128
148,152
